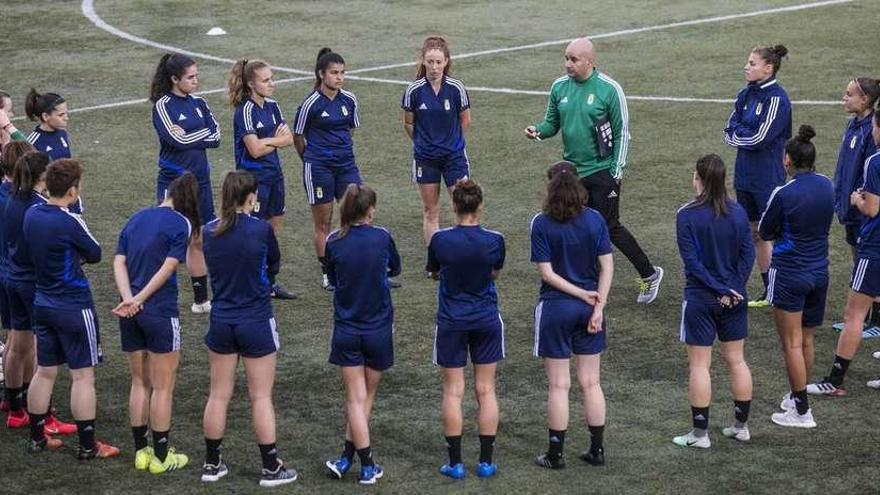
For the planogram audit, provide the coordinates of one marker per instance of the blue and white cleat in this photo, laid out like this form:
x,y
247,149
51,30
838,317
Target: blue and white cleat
x,y
455,472
337,468
370,474
487,470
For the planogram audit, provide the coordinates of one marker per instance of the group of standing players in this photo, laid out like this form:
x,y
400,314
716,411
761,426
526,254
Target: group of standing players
x,y
570,243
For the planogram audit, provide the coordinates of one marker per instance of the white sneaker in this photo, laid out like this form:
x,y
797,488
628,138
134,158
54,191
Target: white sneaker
x,y
325,283
876,354
875,384
690,440
740,434
649,288
201,308
787,402
793,419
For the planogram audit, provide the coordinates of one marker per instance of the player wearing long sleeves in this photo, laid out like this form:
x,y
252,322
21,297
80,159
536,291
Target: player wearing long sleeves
x,y
715,244
758,128
590,110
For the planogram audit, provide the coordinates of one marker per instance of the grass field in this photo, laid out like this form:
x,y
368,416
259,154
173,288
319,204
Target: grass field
x,y
52,46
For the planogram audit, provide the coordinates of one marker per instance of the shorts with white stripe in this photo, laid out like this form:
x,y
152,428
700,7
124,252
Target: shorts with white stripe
x,y
325,182
248,338
866,277
561,329
450,169
799,291
149,332
67,336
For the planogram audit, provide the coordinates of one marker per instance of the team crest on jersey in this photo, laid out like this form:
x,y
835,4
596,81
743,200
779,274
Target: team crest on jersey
x,y
419,172
759,108
199,111
344,110
852,143
260,125
564,100
446,104
64,143
591,99
181,117
319,192
423,107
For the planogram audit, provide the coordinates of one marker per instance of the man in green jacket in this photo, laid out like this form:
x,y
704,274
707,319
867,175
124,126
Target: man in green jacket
x,y
590,109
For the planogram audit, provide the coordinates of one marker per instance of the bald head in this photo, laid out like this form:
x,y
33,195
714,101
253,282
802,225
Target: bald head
x,y
579,55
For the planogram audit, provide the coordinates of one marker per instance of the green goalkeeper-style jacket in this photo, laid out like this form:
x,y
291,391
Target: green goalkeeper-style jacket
x,y
575,108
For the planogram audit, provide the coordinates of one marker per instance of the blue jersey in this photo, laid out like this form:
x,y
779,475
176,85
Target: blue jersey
x,y
717,251
856,147
572,248
186,153
56,143
59,243
358,265
758,128
798,218
150,237
5,193
262,122
21,268
239,263
869,235
437,130
326,124
466,257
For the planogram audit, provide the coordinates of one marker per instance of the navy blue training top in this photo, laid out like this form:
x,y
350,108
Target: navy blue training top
x,y
55,143
59,243
855,148
572,248
179,154
869,236
465,257
21,268
5,193
239,263
326,124
717,251
262,122
150,237
437,130
358,265
798,218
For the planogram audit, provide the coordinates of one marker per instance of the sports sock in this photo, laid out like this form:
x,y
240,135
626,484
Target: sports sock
x,y
348,450
596,434
741,412
366,456
801,401
875,314
838,370
160,445
700,416
212,451
86,431
557,442
487,448
200,288
269,454
38,421
453,449
24,395
13,395
139,433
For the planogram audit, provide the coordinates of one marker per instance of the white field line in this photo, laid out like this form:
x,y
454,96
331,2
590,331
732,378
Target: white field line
x,y
88,10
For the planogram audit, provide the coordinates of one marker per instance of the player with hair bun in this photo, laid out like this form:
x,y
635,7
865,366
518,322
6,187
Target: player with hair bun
x,y
50,136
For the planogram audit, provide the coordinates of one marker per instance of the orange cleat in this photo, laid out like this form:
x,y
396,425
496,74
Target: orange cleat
x,y
55,427
101,451
18,419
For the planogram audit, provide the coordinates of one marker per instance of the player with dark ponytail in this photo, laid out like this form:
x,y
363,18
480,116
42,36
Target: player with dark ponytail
x,y
797,220
50,136
758,128
186,129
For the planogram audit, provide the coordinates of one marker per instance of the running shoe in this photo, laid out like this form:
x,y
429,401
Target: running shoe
x,y
486,469
281,292
650,287
759,303
280,476
876,354
370,474
550,462
325,283
791,418
593,458
55,427
17,419
212,472
739,434
455,472
691,440
336,468
173,461
787,402
394,284
100,451
142,458
825,387
201,308
875,384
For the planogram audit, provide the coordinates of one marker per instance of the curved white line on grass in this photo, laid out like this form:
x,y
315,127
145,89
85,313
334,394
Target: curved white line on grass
x,y
623,32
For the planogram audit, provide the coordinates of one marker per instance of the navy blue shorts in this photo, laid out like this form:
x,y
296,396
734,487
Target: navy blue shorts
x,y
206,195
20,296
866,277
374,350
250,339
324,183
451,169
270,199
67,336
484,344
795,291
5,320
753,202
701,322
157,334
561,329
